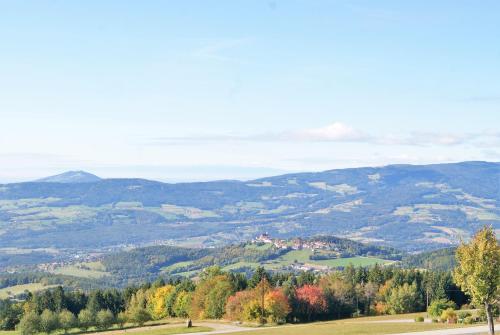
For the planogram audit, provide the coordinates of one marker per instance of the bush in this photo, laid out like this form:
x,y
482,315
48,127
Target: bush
x,y
435,320
437,307
468,320
462,315
419,319
449,316
481,315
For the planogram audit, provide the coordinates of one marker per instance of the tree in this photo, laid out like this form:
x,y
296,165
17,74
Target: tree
x,y
157,302
259,274
311,300
30,323
139,315
261,290
369,293
210,296
67,320
236,304
10,314
86,319
277,306
182,304
48,321
437,307
104,319
403,299
478,271
121,319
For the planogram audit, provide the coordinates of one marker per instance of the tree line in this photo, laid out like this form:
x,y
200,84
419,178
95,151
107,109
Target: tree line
x,y
271,297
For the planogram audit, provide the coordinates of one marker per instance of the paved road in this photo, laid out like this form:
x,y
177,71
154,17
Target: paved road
x,y
456,331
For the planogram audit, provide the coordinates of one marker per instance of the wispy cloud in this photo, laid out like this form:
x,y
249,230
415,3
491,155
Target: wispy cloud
x,y
341,132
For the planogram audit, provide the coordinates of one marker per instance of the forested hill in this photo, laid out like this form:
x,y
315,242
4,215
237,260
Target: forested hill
x,y
405,206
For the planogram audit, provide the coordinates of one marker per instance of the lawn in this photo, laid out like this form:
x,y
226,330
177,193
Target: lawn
x,y
18,289
165,331
302,256
77,271
345,327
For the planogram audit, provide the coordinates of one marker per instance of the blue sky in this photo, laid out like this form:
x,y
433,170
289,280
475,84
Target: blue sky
x,y
198,90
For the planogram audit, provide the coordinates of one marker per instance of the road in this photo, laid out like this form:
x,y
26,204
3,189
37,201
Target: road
x,y
456,331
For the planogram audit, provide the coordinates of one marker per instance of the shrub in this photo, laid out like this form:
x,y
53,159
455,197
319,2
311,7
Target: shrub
x,y
437,307
419,319
481,315
449,316
435,320
462,315
468,320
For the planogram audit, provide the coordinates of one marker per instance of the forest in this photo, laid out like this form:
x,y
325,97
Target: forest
x,y
262,298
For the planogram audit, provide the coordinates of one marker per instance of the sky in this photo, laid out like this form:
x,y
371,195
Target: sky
x,y
201,90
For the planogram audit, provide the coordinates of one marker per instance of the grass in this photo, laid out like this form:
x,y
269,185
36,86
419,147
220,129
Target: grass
x,y
174,329
302,256
73,270
167,331
361,326
18,289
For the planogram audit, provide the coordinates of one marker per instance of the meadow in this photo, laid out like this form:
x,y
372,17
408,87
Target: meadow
x,y
18,289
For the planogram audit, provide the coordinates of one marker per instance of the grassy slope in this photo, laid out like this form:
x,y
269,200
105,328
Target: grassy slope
x,y
72,270
18,289
349,328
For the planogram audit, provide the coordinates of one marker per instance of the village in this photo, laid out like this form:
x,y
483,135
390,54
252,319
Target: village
x,y
294,244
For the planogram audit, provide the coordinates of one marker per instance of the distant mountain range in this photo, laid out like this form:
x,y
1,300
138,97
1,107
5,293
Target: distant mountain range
x,y
71,177
410,207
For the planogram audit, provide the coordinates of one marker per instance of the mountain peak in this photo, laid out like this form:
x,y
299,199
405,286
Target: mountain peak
x,y
71,177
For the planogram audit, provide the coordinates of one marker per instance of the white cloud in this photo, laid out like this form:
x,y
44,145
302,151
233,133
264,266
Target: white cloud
x,y
336,131
341,132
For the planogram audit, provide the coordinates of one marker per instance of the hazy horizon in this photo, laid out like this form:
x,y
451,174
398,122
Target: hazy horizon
x,y
184,91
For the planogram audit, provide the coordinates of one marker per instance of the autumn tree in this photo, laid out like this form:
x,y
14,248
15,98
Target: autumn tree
x,y
158,299
311,301
211,294
478,271
277,306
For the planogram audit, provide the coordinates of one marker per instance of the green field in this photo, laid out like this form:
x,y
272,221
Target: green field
x,y
18,289
84,270
292,257
147,331
349,328
166,331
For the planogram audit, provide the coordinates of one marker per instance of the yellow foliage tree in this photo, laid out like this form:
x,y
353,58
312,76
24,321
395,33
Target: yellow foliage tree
x,y
157,301
478,271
